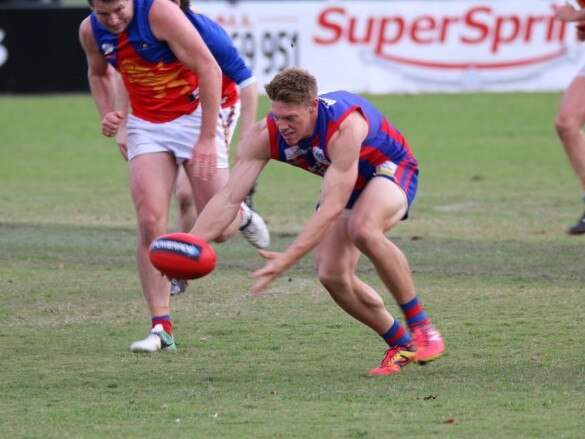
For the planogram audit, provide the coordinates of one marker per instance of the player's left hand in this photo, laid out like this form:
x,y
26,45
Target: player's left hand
x,y
276,264
204,159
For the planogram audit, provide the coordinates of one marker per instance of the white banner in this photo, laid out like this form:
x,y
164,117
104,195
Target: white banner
x,y
407,46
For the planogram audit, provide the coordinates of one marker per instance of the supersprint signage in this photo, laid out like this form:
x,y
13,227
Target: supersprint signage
x,y
407,46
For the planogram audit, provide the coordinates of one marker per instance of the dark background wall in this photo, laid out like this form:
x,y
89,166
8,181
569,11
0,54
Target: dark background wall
x,y
40,50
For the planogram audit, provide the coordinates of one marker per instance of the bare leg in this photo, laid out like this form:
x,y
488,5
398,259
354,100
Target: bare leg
x,y
186,211
367,227
336,258
203,190
378,209
152,177
569,123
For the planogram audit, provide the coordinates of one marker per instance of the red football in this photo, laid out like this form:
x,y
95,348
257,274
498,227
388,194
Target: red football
x,y
182,256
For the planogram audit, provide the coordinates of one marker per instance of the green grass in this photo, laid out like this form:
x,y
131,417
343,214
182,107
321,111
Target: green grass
x,y
485,241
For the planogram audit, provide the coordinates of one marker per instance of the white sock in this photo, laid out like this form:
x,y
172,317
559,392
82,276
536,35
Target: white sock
x,y
246,215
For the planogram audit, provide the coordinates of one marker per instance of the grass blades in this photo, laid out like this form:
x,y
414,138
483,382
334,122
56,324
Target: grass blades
x,y
485,241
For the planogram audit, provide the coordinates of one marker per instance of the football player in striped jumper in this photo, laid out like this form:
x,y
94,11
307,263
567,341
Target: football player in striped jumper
x,y
369,182
174,88
239,104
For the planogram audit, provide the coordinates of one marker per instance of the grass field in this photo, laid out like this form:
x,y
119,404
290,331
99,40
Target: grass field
x,y
486,242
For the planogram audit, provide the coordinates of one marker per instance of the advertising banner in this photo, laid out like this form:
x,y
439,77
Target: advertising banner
x,y
394,46
407,46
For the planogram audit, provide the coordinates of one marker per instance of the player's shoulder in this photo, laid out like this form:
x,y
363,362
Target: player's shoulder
x,y
254,144
259,129
161,6
166,20
86,33
85,24
162,10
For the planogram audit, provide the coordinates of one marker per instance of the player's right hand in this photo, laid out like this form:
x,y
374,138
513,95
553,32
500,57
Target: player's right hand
x,y
111,123
276,264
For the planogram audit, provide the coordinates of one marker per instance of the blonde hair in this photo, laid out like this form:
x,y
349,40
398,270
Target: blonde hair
x,y
292,86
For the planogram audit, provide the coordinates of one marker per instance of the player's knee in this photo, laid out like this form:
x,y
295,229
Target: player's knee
x,y
560,124
565,125
221,238
332,279
150,226
363,235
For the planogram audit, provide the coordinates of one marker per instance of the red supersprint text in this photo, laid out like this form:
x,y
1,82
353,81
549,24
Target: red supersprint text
x,y
476,26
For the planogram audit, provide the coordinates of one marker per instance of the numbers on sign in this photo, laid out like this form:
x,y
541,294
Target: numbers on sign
x,y
246,45
268,52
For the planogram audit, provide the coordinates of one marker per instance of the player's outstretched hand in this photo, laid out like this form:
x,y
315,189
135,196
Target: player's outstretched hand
x,y
275,266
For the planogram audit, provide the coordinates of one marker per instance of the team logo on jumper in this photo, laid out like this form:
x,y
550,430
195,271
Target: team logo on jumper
x,y
195,94
327,102
3,51
108,50
319,155
145,45
386,168
293,153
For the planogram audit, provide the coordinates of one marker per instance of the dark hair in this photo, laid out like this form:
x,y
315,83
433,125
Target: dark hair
x,y
292,86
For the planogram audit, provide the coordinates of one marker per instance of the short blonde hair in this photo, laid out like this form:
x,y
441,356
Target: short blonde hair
x,y
292,86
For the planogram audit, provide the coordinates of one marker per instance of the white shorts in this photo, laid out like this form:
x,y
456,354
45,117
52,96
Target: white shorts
x,y
180,135
581,72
